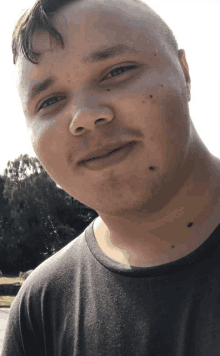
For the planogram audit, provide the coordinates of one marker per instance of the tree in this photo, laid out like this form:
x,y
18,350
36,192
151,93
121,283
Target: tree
x,y
39,218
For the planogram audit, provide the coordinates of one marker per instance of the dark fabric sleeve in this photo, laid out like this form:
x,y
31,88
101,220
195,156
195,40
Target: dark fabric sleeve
x,y
37,324
20,338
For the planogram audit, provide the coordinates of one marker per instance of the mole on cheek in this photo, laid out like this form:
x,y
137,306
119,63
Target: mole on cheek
x,y
108,89
152,168
151,96
190,224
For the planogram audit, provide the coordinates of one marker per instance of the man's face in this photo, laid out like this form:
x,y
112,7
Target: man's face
x,y
94,104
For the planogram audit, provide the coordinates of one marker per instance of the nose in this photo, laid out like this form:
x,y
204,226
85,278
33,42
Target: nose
x,y
88,120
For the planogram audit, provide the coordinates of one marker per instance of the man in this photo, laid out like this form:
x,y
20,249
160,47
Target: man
x,y
143,278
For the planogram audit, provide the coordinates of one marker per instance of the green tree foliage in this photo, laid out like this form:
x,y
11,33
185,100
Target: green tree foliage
x,y
37,217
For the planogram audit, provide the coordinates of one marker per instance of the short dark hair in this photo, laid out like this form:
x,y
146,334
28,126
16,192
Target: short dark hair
x,y
38,17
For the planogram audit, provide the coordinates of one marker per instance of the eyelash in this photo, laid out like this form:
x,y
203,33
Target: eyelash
x,y
127,67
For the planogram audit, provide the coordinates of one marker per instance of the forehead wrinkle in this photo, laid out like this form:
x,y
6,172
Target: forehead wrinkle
x,y
110,52
106,17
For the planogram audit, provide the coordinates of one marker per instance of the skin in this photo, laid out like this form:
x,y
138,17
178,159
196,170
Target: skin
x,y
143,214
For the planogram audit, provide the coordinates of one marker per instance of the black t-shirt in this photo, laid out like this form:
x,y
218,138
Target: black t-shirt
x,y
79,302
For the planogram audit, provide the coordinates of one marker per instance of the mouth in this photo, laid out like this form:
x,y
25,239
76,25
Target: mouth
x,y
107,154
113,157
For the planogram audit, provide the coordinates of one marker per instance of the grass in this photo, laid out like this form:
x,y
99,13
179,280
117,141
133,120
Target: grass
x,y
10,280
7,300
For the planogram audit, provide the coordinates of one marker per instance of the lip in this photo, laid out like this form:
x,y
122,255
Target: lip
x,y
104,151
110,158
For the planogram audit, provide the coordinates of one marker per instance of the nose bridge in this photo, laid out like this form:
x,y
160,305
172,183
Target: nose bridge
x,y
86,99
89,114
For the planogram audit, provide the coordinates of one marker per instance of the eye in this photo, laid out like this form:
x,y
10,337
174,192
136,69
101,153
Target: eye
x,y
120,70
50,101
113,73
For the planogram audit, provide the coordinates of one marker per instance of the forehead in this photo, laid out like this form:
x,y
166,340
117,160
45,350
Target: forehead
x,y
87,25
107,20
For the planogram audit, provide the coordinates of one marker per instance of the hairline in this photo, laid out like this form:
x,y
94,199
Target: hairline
x,y
159,24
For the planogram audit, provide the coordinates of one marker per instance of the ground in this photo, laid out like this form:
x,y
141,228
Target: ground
x,y
7,300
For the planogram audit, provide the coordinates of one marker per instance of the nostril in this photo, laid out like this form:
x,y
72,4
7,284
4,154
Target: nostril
x,y
99,120
79,129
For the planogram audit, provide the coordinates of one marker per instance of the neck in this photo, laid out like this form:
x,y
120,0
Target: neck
x,y
146,239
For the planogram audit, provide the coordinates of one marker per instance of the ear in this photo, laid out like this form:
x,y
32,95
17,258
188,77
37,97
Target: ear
x,y
185,68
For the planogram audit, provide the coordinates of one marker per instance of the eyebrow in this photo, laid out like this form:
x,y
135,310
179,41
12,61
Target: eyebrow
x,y
99,55
38,88
110,52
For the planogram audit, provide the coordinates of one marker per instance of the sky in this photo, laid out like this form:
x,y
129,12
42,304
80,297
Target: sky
x,y
196,26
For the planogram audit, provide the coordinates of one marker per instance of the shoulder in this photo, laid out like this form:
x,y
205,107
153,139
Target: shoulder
x,y
216,163
54,273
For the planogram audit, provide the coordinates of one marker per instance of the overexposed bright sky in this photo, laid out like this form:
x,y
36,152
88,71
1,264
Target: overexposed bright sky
x,y
196,26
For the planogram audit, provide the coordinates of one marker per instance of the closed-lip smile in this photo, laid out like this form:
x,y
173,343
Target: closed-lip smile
x,y
104,151
109,156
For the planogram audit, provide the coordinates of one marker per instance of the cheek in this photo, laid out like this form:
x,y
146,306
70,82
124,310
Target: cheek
x,y
46,141
35,137
165,101
166,121
175,120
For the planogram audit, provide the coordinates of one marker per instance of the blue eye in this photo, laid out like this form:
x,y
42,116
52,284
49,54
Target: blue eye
x,y
51,101
120,70
55,99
